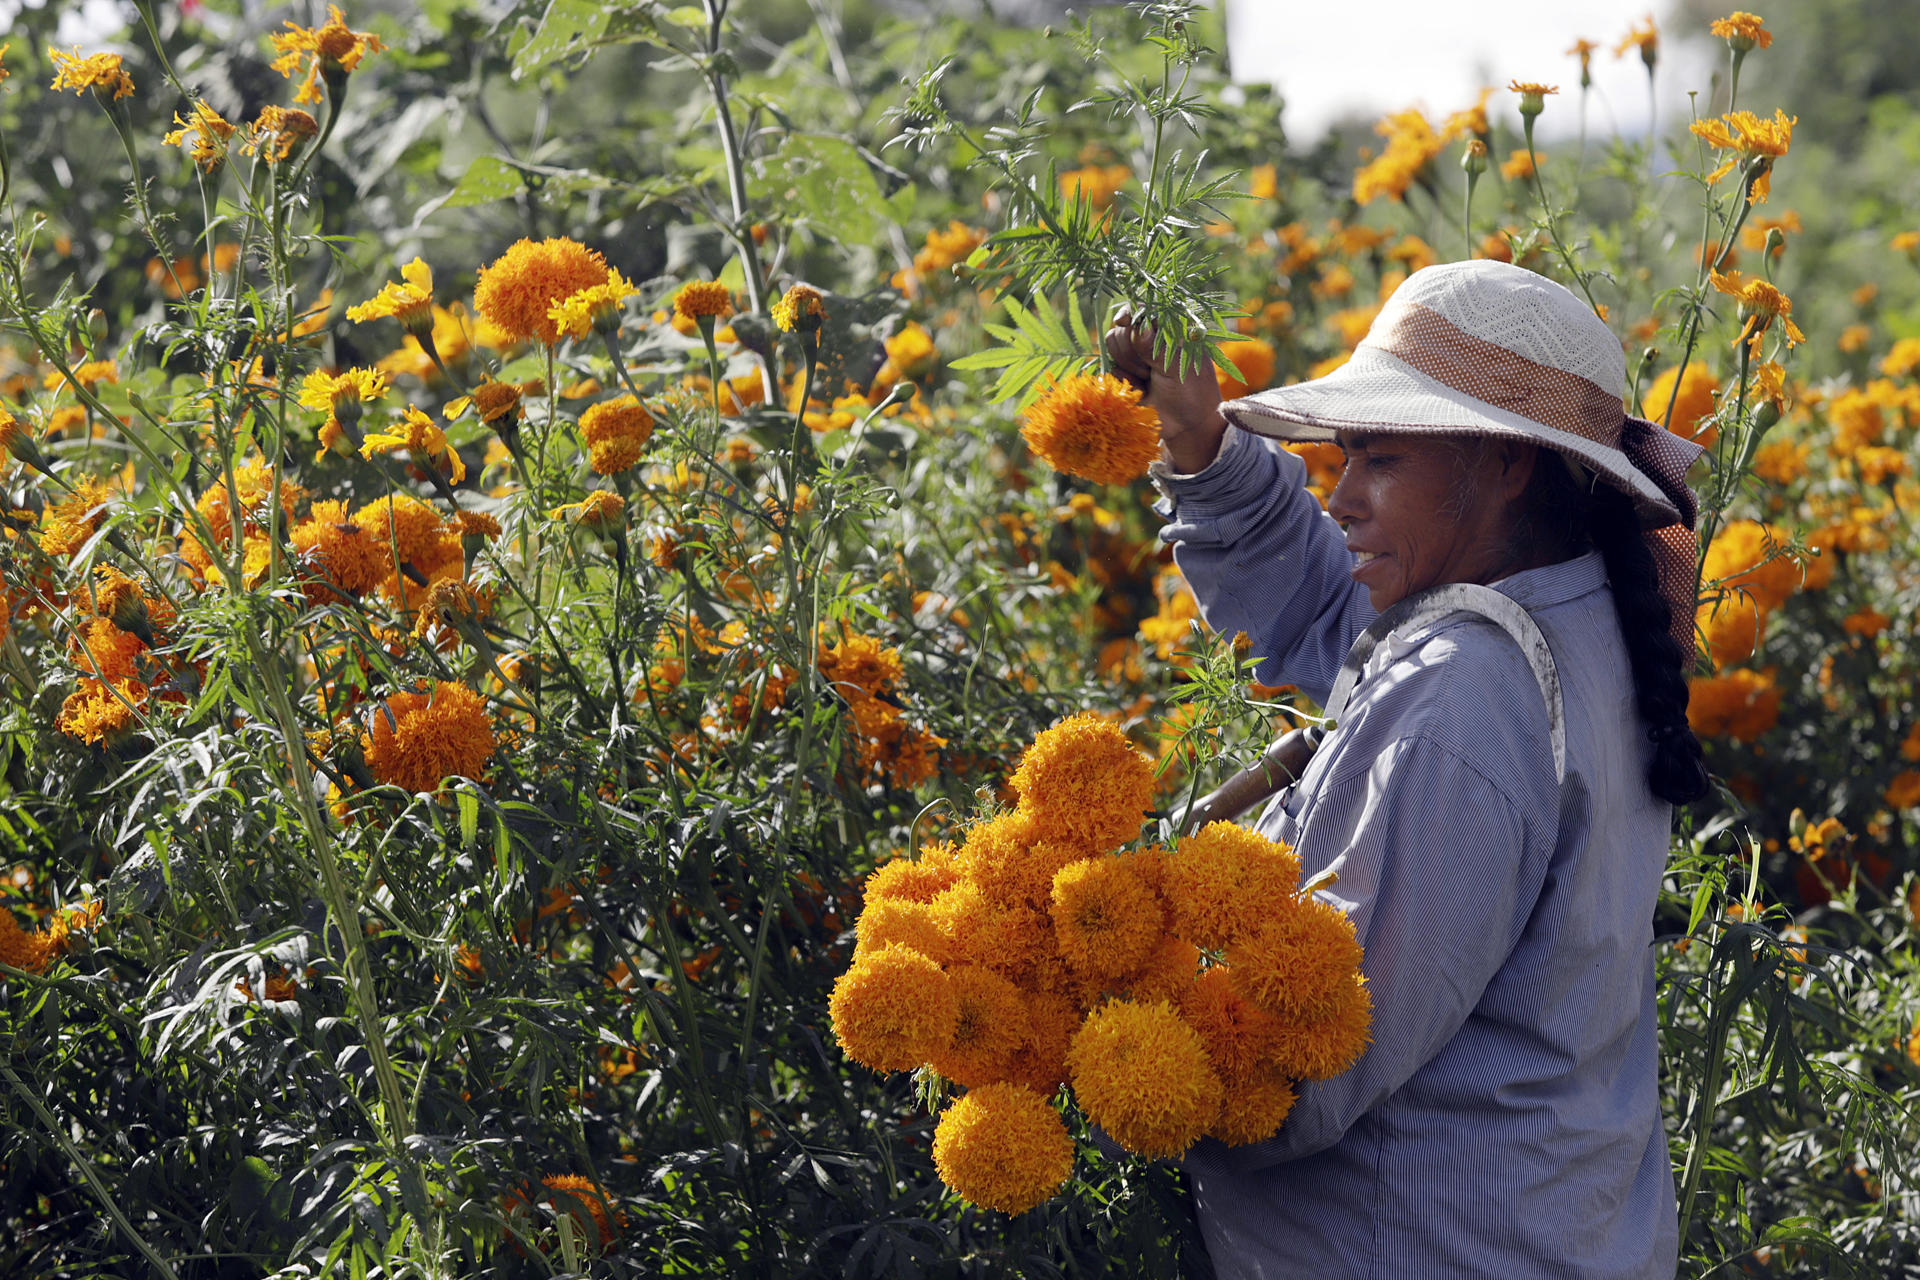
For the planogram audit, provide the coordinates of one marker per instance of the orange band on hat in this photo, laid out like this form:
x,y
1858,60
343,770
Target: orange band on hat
x,y
1436,346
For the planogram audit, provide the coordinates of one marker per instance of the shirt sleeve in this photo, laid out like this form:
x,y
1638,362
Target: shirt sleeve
x,y
1261,557
1439,870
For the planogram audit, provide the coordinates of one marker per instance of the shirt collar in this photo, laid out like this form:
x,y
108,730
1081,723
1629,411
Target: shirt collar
x,y
1555,583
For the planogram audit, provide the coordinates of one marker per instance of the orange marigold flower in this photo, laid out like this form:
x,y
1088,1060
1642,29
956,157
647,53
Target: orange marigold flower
x,y
1240,1036
1743,31
616,431
1002,1147
1093,427
1084,785
1142,1074
799,310
329,50
913,881
31,951
278,131
518,291
66,526
702,299
1745,555
1750,140
1011,862
989,1028
209,132
1411,144
1903,792
1760,305
1041,1062
1740,704
1106,920
100,715
1644,37
1519,164
1298,964
343,555
1225,881
415,740
892,1009
1252,362
422,538
1096,184
100,72
886,922
1533,96
581,1198
601,511
1682,413
410,301
1013,940
1256,1105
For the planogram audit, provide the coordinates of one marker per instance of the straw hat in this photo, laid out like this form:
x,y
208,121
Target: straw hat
x,y
1490,349
1486,348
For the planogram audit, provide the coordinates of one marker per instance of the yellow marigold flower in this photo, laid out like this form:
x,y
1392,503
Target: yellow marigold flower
x,y
1095,428
518,291
1742,556
340,395
1743,31
17,441
1470,123
1106,920
100,72
910,881
1296,966
4,73
616,431
1644,37
1322,1050
595,308
1751,140
893,1009
1012,940
342,555
702,299
601,511
911,353
799,310
410,301
1096,184
1251,363
1411,144
31,951
98,715
1225,881
498,403
417,434
330,50
106,652
886,922
89,375
1782,462
1041,1062
450,608
209,132
1256,1105
1002,1147
1084,785
1693,404
476,524
989,1028
415,528
278,131
1142,1074
415,740
1533,96
1760,305
1740,704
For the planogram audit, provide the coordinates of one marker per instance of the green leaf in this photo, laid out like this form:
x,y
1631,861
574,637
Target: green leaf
x,y
1036,352
827,183
469,817
569,26
487,179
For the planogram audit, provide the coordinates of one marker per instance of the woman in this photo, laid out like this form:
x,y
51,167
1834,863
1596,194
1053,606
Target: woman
x,y
1506,1119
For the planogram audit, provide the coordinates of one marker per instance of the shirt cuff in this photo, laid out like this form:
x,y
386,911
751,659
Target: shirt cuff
x,y
1241,474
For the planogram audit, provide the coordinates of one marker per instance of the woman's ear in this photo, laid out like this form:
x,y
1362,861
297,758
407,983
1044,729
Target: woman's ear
x,y
1516,462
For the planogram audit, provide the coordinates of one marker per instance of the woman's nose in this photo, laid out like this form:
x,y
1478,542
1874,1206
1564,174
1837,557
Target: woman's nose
x,y
1344,504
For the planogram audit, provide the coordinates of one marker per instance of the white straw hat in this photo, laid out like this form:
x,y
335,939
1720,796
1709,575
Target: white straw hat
x,y
1489,349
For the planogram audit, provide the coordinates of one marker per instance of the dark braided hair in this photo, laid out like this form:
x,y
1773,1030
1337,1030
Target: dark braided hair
x,y
1563,516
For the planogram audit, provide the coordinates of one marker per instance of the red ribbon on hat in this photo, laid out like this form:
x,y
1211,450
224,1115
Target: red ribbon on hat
x,y
1663,458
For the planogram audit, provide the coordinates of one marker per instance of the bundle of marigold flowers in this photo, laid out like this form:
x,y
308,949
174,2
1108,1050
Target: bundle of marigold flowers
x,y
1179,992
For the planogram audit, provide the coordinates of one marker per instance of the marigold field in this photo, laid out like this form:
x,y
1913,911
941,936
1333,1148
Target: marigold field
x,y
515,515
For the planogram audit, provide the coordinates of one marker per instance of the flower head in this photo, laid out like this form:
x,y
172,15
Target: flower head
x,y
100,72
209,132
520,289
1256,1105
799,310
601,511
594,309
615,431
99,714
341,395
1533,97
415,740
1296,965
1105,918
1741,704
410,301
278,131
574,1188
887,922
1041,1062
1002,1147
1583,50
1251,362
1225,882
1142,1074
1693,404
417,434
699,300
913,881
29,950
1322,1050
1095,428
892,1009
1010,861
989,1028
1411,143
1760,305
1084,785
1755,142
1744,32
343,555
329,51
1644,37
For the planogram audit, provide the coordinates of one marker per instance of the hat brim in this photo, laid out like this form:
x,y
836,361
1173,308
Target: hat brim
x,y
1377,392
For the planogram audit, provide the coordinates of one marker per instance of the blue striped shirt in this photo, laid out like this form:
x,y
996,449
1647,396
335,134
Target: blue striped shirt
x,y
1506,1120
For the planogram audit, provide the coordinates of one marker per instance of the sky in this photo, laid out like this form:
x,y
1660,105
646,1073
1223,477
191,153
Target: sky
x,y
1369,57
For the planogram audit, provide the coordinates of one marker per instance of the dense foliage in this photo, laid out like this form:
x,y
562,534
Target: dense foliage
x,y
511,514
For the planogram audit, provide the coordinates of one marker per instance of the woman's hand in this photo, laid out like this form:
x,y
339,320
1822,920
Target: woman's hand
x,y
1191,427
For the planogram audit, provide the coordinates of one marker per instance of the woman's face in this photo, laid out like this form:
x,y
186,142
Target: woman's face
x,y
1420,511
